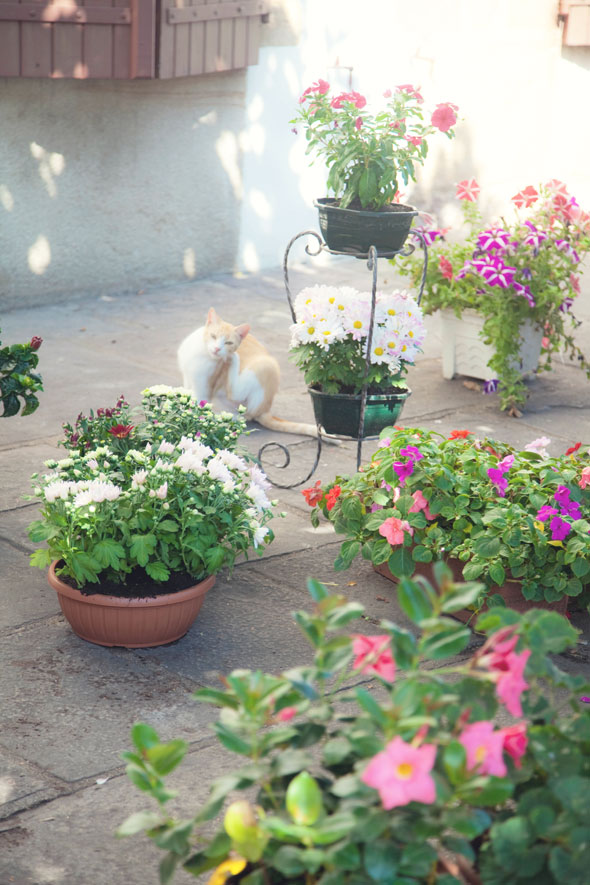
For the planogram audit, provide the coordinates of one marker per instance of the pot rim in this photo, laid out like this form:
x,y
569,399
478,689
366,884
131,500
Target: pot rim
x,y
371,397
332,203
196,590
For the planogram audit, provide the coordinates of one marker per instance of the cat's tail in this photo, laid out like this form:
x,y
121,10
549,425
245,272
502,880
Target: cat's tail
x,y
271,422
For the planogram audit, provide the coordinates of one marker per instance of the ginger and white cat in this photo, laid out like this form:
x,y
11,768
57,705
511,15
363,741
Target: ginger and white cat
x,y
219,358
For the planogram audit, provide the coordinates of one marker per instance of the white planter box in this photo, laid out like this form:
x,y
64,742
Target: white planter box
x,y
464,353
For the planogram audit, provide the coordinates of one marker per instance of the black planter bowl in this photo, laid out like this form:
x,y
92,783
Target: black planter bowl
x,y
354,231
340,413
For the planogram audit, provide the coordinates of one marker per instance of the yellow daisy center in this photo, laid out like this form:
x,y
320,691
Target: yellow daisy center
x,y
310,330
357,324
379,351
332,300
410,334
391,312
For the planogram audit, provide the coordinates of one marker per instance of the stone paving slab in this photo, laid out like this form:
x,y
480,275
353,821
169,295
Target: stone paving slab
x,y
26,595
23,786
68,705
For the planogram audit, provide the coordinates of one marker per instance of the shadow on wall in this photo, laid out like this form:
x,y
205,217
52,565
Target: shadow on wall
x,y
577,55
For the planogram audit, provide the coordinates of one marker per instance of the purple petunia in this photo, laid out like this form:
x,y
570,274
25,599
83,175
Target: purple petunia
x,y
559,528
491,385
498,274
568,250
525,292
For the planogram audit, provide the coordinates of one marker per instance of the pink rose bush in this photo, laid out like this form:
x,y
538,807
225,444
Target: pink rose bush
x,y
391,750
369,154
522,268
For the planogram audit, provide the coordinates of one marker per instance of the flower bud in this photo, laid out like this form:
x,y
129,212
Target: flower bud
x,y
36,342
304,799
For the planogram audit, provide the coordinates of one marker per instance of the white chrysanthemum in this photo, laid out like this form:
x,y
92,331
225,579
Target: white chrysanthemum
x,y
57,489
138,479
230,459
259,535
92,463
103,491
198,448
189,461
256,494
258,476
166,448
83,498
162,491
218,470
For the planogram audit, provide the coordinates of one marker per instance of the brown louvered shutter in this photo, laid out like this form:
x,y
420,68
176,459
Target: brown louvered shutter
x,y
575,15
203,36
111,39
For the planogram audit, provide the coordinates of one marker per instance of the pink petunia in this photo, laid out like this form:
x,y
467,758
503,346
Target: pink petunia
x,y
409,89
525,197
420,503
444,117
468,189
374,655
484,748
515,741
393,530
401,773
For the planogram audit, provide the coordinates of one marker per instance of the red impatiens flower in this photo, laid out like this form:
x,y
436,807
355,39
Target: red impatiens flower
x,y
460,434
573,448
332,496
120,431
36,342
313,495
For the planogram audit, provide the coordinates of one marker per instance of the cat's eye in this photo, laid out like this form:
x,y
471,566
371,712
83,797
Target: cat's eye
x,y
214,336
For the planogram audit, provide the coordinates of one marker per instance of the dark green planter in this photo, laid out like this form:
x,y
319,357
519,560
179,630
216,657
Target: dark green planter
x,y
340,413
356,230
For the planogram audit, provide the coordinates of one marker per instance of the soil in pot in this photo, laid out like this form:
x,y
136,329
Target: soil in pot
x,y
138,584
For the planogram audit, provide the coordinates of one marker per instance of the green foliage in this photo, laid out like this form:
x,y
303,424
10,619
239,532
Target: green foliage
x,y
166,496
309,815
487,537
543,247
368,156
19,383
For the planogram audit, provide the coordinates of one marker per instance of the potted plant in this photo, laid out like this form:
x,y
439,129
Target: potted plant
x,y
519,521
368,156
139,519
19,384
505,290
380,770
329,342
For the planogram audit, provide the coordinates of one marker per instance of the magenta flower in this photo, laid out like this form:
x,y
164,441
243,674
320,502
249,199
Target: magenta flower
x,y
393,529
411,452
506,463
401,773
568,250
468,189
499,481
491,385
571,509
403,470
525,292
411,91
499,274
545,512
374,655
495,238
484,748
559,529
358,123
562,495
536,236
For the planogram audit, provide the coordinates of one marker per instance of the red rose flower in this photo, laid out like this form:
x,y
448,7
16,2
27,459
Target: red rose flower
x,y
120,430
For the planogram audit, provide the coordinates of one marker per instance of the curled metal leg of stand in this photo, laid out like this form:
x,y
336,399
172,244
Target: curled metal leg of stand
x,y
287,454
309,250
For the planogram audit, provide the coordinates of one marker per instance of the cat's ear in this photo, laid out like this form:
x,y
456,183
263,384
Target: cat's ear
x,y
243,330
212,318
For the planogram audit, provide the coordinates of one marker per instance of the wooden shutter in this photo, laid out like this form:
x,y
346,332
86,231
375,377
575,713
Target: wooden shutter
x,y
203,36
575,15
111,39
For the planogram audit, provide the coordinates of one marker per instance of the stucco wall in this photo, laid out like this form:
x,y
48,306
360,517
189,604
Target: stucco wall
x,y
115,185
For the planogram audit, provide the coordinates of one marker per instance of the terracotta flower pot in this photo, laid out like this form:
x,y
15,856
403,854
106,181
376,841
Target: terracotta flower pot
x,y
131,623
510,591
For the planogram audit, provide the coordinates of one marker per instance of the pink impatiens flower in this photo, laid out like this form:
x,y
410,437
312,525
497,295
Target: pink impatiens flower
x,y
420,503
373,655
585,478
468,189
401,773
484,748
445,267
515,741
393,529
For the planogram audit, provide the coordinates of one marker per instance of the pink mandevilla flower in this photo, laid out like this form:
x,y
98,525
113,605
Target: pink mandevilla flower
x,y
401,773
286,714
393,529
510,682
484,748
515,741
374,655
